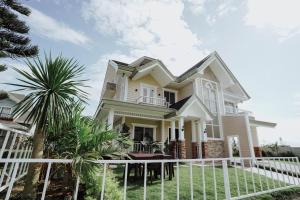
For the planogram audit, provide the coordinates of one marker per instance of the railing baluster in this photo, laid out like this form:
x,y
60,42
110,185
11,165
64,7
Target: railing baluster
x,y
177,181
245,177
191,180
298,169
276,170
76,187
291,169
266,177
271,171
162,179
11,183
237,179
215,182
4,143
282,172
125,181
252,176
259,175
287,171
203,180
226,180
12,165
8,156
103,181
46,181
145,182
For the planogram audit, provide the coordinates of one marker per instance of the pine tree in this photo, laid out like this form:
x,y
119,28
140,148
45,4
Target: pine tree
x,y
14,42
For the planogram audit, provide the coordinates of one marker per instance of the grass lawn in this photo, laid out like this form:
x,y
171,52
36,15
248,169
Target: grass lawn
x,y
135,189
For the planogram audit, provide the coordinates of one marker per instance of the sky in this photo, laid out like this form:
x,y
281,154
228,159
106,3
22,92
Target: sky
x,y
258,42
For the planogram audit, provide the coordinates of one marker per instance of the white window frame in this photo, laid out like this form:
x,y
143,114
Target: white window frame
x,y
145,126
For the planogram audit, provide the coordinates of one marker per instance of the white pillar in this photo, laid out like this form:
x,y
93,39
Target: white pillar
x,y
173,130
199,131
181,128
194,139
162,131
110,119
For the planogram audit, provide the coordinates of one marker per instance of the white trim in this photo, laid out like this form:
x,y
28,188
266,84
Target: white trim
x,y
145,85
145,126
125,88
10,111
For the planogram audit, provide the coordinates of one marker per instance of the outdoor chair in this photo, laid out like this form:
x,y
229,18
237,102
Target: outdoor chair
x,y
155,168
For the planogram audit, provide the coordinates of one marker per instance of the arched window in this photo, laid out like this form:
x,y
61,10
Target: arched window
x,y
210,99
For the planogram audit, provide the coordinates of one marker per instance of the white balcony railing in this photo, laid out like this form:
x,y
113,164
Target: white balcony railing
x,y
152,101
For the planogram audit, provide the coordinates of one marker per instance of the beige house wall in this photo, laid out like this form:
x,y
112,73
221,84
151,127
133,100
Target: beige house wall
x,y
185,91
110,75
188,138
236,126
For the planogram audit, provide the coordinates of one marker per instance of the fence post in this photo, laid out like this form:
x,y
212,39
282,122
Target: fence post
x,y
226,180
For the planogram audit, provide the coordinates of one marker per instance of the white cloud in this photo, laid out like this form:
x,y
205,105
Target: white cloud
x,y
196,6
46,26
212,10
152,28
280,16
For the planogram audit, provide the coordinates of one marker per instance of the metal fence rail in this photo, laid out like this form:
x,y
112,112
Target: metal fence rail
x,y
222,178
14,145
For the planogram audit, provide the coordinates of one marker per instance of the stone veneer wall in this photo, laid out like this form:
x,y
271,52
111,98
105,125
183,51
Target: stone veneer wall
x,y
215,149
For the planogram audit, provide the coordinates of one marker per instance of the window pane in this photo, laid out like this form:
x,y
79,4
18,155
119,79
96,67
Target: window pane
x,y
166,95
138,134
172,97
217,132
209,131
148,135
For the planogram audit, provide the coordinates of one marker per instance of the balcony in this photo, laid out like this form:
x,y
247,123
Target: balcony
x,y
152,101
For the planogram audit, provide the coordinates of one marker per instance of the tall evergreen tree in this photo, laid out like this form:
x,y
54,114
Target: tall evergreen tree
x,y
14,42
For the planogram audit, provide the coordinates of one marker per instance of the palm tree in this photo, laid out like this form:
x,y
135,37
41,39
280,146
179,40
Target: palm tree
x,y
85,140
52,85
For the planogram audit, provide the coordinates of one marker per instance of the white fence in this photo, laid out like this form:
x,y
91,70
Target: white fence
x,y
182,179
14,145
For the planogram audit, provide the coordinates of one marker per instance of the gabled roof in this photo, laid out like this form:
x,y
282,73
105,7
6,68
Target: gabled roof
x,y
193,103
145,62
180,103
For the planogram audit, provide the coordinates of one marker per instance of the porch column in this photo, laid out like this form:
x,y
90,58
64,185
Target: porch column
x,y
173,130
181,128
194,140
199,131
200,139
110,119
162,131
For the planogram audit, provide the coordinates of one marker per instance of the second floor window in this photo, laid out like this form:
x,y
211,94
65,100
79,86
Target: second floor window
x,y
170,97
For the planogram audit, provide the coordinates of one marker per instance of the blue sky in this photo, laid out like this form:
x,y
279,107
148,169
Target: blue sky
x,y
260,44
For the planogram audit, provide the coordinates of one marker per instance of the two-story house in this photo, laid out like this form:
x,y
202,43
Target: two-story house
x,y
195,113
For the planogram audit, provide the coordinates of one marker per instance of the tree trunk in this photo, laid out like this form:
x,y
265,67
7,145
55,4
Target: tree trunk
x,y
32,178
